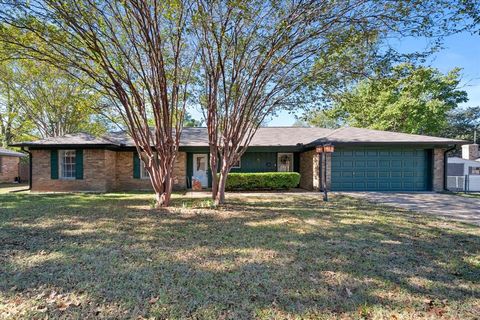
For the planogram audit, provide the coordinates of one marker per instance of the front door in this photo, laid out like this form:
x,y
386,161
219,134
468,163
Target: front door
x,y
200,165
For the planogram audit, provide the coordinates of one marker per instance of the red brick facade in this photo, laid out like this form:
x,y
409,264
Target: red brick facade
x,y
103,170
8,168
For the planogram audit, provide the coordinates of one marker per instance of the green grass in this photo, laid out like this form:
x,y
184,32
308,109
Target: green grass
x,y
271,257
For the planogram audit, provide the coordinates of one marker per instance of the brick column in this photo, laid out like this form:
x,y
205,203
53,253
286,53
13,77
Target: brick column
x,y
309,170
438,169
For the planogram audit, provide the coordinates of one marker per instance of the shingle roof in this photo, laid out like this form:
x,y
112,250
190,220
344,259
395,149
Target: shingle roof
x,y
265,137
360,135
11,153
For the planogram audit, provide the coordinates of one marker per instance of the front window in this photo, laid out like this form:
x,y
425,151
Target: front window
x,y
475,171
237,164
285,162
143,170
67,164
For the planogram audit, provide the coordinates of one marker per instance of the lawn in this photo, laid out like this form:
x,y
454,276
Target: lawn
x,y
272,257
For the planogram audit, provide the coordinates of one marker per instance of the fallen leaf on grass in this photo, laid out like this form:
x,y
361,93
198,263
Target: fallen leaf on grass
x,y
153,300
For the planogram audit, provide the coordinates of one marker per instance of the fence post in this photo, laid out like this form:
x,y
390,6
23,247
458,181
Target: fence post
x,y
466,182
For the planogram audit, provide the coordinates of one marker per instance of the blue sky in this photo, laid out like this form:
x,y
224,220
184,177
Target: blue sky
x,y
461,50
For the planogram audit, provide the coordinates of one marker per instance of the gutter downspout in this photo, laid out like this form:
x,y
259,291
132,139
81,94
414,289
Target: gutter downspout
x,y
445,166
29,168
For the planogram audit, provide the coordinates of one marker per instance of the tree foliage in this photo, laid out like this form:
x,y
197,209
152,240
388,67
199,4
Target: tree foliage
x,y
462,123
135,52
411,100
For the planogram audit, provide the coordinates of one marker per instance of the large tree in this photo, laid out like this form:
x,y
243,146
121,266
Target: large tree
x,y
410,99
267,55
52,101
137,54
462,124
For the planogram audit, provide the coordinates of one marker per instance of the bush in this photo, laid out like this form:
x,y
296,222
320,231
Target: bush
x,y
262,180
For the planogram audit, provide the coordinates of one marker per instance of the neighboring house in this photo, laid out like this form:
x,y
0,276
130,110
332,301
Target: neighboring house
x,y
9,165
364,160
464,173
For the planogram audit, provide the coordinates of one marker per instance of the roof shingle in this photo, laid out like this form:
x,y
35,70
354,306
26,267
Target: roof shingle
x,y
264,137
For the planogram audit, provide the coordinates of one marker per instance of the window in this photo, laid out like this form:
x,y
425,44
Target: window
x,y
285,162
67,164
237,164
1,164
474,171
143,170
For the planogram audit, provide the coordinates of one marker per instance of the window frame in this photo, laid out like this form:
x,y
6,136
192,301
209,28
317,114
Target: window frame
x,y
144,175
239,166
473,171
61,162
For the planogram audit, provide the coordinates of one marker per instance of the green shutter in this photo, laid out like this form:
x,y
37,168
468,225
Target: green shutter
x,y
54,164
79,164
136,166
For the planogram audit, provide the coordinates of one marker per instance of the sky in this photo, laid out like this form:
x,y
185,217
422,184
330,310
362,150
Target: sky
x,y
461,50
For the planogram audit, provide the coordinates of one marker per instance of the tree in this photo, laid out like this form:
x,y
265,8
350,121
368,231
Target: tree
x,y
191,122
462,123
136,53
320,119
411,100
53,101
258,58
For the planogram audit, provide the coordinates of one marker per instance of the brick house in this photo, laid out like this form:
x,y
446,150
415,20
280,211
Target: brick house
x,y
9,165
364,160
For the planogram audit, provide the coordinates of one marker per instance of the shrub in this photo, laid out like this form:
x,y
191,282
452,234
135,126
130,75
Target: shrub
x,y
262,180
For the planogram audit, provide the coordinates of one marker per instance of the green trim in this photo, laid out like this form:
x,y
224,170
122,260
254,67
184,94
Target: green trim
x,y
53,164
136,166
79,164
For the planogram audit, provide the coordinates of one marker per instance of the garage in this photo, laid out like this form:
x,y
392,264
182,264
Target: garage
x,y
381,169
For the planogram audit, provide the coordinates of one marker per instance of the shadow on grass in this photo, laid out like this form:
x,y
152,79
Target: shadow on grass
x,y
257,257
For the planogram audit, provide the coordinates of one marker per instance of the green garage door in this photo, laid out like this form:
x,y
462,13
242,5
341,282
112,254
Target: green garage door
x,y
381,169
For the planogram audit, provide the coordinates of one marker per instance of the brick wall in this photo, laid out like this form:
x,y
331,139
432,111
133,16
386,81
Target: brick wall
x,y
9,168
94,173
438,169
124,173
103,170
310,171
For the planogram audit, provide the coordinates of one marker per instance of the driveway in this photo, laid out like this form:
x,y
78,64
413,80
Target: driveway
x,y
443,205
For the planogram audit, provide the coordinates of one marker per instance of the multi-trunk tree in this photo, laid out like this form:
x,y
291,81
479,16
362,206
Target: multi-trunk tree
x,y
136,53
268,55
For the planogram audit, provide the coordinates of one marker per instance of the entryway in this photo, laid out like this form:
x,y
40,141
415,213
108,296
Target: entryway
x,y
200,165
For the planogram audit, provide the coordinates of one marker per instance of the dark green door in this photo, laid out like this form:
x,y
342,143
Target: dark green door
x,y
381,169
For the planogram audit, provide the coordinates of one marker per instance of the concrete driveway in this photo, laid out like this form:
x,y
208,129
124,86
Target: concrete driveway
x,y
443,205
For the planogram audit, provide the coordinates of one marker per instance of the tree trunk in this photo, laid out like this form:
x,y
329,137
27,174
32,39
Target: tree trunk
x,y
213,170
163,194
222,182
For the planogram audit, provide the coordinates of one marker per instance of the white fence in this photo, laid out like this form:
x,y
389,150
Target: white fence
x,y
468,183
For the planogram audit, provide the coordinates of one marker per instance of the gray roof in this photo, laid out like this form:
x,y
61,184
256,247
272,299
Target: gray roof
x,y
350,135
264,137
11,153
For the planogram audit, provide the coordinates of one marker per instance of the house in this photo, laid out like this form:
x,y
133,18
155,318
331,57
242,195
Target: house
x,y
9,165
463,174
364,160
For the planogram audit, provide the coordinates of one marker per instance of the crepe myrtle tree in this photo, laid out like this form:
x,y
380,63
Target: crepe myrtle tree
x,y
135,51
263,56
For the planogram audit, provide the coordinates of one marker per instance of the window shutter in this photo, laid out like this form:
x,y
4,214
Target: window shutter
x,y
136,166
79,164
54,164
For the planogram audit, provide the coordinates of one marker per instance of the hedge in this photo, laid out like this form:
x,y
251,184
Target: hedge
x,y
262,180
